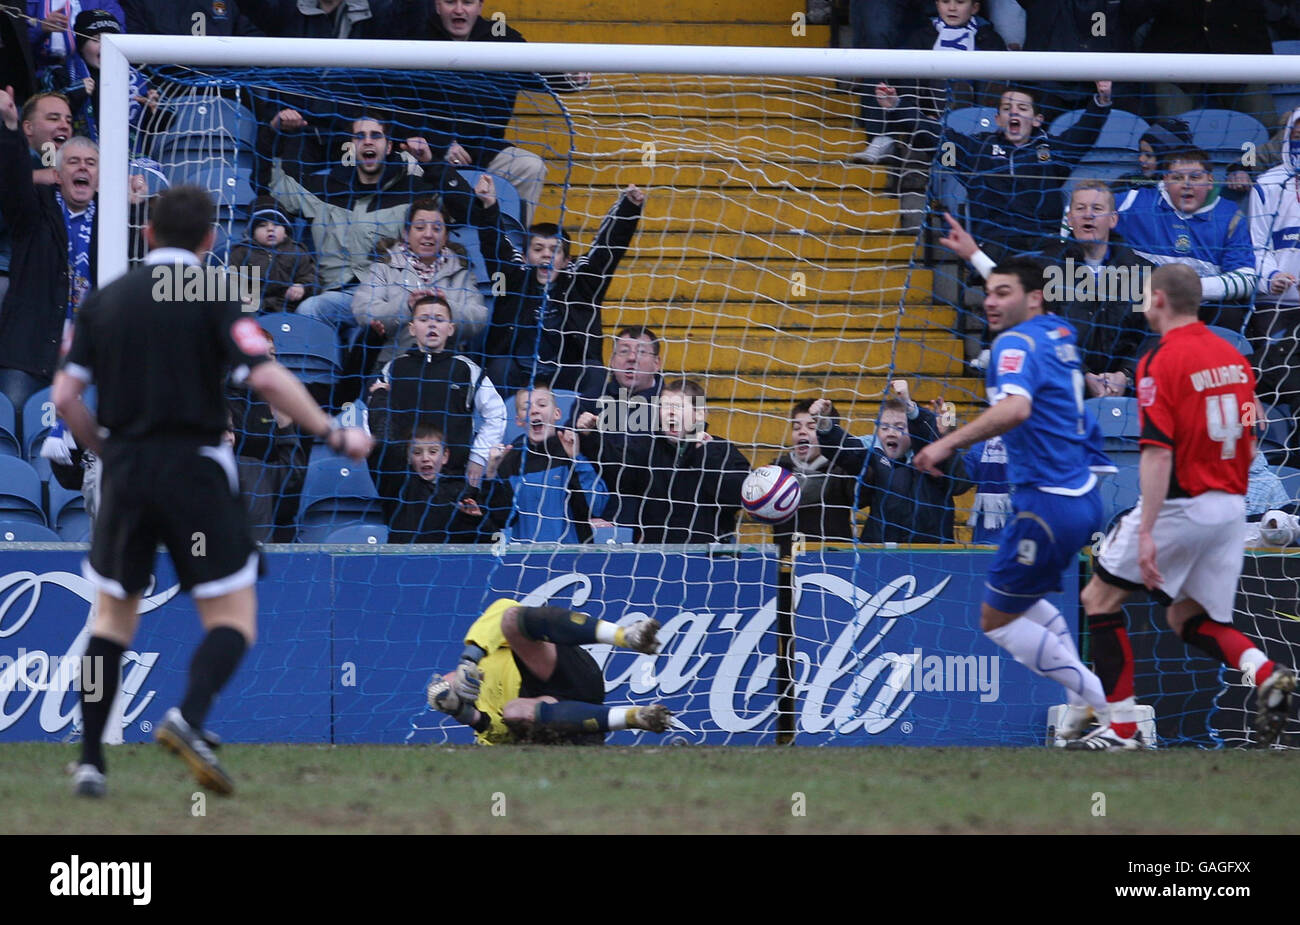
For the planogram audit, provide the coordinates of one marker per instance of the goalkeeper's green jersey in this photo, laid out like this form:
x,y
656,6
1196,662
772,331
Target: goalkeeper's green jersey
x,y
501,678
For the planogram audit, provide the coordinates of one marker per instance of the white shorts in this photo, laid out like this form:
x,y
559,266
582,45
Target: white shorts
x,y
1199,550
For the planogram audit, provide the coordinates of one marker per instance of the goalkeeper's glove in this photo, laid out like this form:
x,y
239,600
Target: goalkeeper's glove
x,y
443,698
469,677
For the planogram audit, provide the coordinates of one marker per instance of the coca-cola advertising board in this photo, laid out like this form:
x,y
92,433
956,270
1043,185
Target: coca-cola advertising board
x,y
887,645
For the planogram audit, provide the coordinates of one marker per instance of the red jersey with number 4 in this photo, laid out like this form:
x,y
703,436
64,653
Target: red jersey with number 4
x,y
1196,396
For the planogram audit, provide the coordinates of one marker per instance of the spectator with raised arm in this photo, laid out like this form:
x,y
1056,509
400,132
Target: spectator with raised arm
x,y
829,496
1093,282
547,321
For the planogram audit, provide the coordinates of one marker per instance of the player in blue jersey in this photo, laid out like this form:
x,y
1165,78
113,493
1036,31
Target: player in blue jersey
x,y
1035,389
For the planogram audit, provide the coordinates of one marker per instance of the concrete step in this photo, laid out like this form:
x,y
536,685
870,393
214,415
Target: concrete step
x,y
752,34
704,211
688,170
763,351
748,287
881,247
827,315
846,390
605,98
647,140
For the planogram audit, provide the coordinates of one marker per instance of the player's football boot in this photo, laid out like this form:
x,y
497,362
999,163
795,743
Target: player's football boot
x,y
88,781
641,636
1275,695
178,737
1074,723
1104,739
654,718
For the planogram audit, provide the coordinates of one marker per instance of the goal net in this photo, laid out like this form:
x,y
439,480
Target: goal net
x,y
773,261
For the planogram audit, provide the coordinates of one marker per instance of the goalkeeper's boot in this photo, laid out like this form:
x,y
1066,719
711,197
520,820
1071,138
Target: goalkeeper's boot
x,y
1074,723
654,718
1275,695
1104,739
88,781
178,737
641,636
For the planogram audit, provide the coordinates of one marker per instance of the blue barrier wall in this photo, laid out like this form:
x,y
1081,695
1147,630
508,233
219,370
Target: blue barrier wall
x,y
888,648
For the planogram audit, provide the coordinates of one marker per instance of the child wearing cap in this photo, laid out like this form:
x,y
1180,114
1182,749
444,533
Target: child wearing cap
x,y
286,268
77,77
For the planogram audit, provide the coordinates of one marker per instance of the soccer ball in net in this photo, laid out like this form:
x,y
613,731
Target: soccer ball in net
x,y
771,494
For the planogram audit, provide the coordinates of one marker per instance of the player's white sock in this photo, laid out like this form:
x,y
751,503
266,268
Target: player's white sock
x,y
606,633
618,718
1249,663
1043,653
1049,618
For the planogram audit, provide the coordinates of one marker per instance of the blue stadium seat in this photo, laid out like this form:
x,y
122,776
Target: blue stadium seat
x,y
68,514
1236,338
337,492
360,534
508,199
230,184
563,398
38,418
1118,141
1119,492
971,120
307,346
9,445
1277,426
20,492
210,119
1290,481
1097,171
20,531
1118,419
1223,132
602,536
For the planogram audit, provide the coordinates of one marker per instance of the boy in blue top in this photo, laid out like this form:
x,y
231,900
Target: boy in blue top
x,y
1035,386
555,491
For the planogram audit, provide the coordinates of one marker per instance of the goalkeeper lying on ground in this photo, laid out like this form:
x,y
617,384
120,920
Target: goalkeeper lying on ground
x,y
524,678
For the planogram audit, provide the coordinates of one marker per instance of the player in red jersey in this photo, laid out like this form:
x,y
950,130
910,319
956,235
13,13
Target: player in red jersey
x,y
1184,540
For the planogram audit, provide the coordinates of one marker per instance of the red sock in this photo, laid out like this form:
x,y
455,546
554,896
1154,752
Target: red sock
x,y
1124,687
1231,643
1264,670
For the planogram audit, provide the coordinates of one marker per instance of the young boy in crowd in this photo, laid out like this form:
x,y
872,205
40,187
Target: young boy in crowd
x,y
286,268
829,490
907,506
427,505
555,491
431,385
688,479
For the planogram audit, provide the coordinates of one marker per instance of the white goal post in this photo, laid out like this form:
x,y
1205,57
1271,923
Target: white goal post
x,y
213,51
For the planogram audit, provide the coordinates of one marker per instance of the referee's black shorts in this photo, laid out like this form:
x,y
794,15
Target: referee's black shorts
x,y
180,493
576,677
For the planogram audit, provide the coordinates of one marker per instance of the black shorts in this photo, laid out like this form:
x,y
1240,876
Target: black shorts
x,y
182,494
576,677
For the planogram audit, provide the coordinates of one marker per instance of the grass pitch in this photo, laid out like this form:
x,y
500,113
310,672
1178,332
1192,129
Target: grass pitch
x,y
354,789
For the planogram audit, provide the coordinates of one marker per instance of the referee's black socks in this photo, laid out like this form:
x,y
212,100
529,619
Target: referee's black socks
x,y
94,712
214,662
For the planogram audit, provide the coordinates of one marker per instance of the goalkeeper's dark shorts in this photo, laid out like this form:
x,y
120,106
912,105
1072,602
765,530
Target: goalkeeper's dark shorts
x,y
576,677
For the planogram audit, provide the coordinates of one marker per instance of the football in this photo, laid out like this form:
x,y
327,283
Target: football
x,y
771,494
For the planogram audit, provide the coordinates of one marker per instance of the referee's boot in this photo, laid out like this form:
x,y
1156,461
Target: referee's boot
x,y
178,737
88,781
1275,696
1104,739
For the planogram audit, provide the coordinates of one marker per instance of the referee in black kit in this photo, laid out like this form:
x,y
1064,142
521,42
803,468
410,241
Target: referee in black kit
x,y
161,365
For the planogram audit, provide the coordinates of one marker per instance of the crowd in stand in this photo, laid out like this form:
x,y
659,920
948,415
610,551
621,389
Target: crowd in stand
x,y
362,217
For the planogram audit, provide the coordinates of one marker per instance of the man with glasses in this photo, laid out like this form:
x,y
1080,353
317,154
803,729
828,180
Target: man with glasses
x,y
1184,220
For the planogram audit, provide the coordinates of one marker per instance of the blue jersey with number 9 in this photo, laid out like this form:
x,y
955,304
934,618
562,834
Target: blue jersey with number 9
x,y
1054,448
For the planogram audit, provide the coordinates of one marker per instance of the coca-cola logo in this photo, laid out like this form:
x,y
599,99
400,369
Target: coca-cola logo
x,y
857,686
55,678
